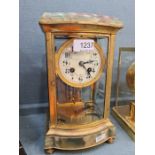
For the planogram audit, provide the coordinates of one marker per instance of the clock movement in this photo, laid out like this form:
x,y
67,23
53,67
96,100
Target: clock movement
x,y
80,52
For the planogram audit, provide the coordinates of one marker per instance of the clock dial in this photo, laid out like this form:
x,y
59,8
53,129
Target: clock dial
x,y
79,69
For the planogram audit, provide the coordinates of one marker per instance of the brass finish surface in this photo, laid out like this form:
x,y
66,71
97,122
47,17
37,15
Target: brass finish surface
x,y
76,28
130,77
71,112
109,75
51,77
93,91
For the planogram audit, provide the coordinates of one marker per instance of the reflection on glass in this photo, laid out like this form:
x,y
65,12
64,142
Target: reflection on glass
x,y
79,106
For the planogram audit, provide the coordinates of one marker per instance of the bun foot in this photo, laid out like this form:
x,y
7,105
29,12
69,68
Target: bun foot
x,y
49,151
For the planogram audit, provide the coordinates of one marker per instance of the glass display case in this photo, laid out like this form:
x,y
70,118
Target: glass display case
x,y
124,109
80,51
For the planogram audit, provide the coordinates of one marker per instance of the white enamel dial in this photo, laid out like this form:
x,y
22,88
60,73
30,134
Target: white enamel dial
x,y
80,69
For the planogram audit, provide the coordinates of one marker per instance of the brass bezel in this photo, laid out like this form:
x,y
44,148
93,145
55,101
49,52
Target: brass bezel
x,y
73,84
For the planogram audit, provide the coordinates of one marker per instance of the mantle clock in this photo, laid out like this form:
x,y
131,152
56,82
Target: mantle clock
x,y
80,52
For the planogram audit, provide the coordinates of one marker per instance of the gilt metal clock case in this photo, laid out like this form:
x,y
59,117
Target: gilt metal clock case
x,y
78,113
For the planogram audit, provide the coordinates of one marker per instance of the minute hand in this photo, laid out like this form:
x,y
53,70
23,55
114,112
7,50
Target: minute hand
x,y
88,62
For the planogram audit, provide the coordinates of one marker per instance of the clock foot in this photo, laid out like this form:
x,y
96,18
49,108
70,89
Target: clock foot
x,y
49,151
110,140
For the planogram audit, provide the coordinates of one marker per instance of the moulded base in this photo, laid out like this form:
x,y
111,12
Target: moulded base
x,y
84,136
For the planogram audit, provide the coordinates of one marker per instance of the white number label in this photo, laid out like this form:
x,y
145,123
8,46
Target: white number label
x,y
100,137
83,45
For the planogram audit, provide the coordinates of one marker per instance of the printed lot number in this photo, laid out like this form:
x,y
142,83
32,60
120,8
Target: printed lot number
x,y
83,45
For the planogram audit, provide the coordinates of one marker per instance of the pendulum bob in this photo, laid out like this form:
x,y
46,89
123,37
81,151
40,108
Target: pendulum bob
x,y
71,112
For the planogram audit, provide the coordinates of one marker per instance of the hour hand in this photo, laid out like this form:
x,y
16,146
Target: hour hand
x,y
81,63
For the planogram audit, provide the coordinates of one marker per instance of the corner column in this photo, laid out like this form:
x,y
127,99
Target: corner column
x,y
51,77
111,44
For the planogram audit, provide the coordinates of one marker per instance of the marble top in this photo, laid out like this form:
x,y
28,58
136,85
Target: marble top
x,y
79,18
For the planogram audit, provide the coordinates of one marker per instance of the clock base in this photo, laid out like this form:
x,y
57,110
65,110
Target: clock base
x,y
85,136
125,114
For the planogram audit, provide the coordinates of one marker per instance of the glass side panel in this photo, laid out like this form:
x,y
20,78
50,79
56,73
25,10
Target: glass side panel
x,y
126,82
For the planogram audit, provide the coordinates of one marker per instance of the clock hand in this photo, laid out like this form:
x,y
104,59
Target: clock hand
x,y
90,61
81,63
